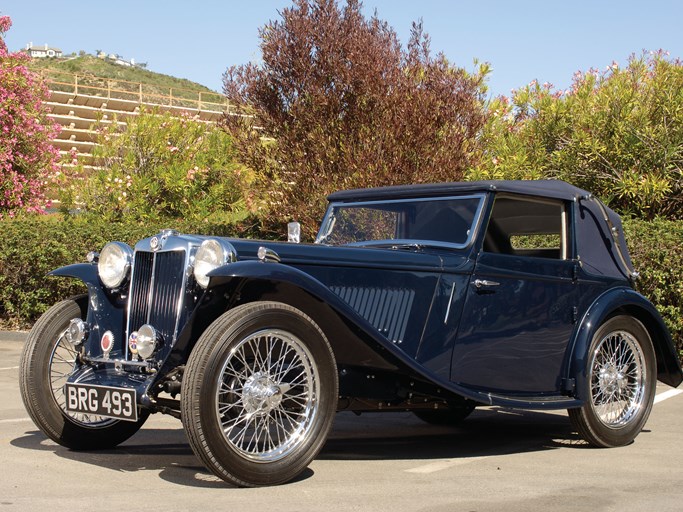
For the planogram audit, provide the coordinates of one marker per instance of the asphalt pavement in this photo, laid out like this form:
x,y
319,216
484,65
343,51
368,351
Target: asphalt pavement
x,y
498,460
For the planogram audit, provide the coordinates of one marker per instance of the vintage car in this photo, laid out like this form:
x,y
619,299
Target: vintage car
x,y
430,298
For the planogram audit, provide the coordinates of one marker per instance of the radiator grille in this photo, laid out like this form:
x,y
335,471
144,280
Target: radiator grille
x,y
156,291
387,309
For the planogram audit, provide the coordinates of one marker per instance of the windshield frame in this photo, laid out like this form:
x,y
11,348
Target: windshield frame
x,y
325,227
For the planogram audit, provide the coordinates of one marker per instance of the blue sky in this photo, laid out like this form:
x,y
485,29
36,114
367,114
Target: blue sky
x,y
522,40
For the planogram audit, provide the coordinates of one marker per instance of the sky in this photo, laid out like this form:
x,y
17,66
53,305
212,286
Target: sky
x,y
522,40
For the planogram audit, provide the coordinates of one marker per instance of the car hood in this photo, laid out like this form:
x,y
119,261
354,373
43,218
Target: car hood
x,y
352,256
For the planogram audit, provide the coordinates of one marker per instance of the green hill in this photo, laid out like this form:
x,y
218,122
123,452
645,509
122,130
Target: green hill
x,y
95,76
93,66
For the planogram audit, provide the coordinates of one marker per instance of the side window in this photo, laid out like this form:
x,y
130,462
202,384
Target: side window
x,y
528,227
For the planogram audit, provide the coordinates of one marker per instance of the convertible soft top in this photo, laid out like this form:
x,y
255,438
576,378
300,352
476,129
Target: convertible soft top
x,y
600,241
555,189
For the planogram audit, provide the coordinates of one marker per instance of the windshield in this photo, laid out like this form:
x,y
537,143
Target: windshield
x,y
448,221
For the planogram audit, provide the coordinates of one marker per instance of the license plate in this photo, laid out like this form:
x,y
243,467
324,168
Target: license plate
x,y
105,401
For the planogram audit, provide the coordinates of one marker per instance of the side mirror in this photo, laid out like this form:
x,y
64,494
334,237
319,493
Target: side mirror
x,y
294,232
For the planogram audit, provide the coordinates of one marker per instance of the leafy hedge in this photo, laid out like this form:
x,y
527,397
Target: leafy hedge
x,y
32,246
656,249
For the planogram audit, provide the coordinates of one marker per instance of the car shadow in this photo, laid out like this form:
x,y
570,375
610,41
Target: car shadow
x,y
370,436
487,432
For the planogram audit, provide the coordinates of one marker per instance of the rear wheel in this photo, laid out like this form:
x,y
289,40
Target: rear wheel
x,y
46,363
621,379
259,394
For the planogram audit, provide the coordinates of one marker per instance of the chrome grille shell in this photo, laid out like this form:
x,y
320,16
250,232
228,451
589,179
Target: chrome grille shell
x,y
159,287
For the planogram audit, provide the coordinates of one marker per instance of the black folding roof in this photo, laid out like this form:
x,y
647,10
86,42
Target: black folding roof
x,y
555,189
600,242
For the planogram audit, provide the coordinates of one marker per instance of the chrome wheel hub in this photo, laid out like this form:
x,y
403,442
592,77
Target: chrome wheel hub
x,y
612,381
261,394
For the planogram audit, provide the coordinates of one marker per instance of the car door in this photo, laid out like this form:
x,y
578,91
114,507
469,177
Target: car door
x,y
520,305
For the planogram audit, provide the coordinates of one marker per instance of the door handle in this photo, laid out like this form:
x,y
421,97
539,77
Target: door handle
x,y
484,283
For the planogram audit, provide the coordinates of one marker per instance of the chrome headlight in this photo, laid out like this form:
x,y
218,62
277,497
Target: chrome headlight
x,y
211,255
114,264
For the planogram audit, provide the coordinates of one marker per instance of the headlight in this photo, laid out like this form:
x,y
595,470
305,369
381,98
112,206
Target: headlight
x,y
211,255
114,264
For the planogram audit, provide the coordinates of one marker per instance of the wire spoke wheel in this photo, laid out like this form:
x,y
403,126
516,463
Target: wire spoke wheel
x,y
259,394
47,362
267,395
620,379
61,364
618,376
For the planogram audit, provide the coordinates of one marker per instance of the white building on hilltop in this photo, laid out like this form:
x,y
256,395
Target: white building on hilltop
x,y
41,52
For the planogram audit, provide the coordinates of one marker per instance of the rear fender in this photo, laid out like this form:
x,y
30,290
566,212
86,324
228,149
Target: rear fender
x,y
624,301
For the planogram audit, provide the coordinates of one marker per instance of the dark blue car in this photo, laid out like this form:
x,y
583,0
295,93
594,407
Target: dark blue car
x,y
429,298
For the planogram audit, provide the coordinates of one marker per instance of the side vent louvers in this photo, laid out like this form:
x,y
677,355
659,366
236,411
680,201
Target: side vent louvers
x,y
387,309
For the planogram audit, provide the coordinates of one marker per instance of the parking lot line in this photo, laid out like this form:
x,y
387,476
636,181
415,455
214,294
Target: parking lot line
x,y
440,465
15,420
10,368
668,394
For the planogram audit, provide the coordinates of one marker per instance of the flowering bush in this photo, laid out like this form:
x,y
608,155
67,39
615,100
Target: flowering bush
x,y
617,133
26,155
161,166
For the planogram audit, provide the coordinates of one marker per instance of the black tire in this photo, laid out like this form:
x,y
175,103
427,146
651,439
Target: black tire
x,y
259,394
454,415
46,361
621,376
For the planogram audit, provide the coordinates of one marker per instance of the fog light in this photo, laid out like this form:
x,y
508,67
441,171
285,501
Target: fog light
x,y
77,332
147,341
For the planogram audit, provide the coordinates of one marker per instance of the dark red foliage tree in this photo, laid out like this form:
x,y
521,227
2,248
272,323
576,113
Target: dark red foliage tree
x,y
338,103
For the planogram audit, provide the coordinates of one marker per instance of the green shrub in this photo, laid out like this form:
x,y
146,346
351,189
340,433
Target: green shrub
x,y
656,249
161,166
618,134
31,246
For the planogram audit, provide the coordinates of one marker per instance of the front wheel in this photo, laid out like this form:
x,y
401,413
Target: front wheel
x,y
46,363
621,379
259,394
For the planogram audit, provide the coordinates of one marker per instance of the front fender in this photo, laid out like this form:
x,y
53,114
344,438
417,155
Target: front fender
x,y
86,272
104,310
624,301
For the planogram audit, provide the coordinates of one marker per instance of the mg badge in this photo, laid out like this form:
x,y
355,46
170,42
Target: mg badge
x,y
155,243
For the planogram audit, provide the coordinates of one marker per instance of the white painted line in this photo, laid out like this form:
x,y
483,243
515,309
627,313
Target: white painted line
x,y
10,368
440,465
667,394
15,420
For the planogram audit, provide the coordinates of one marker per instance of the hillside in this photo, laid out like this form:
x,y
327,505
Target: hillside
x,y
89,65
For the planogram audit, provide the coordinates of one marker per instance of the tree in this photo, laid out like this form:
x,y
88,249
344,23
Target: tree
x,y
617,133
338,103
26,154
